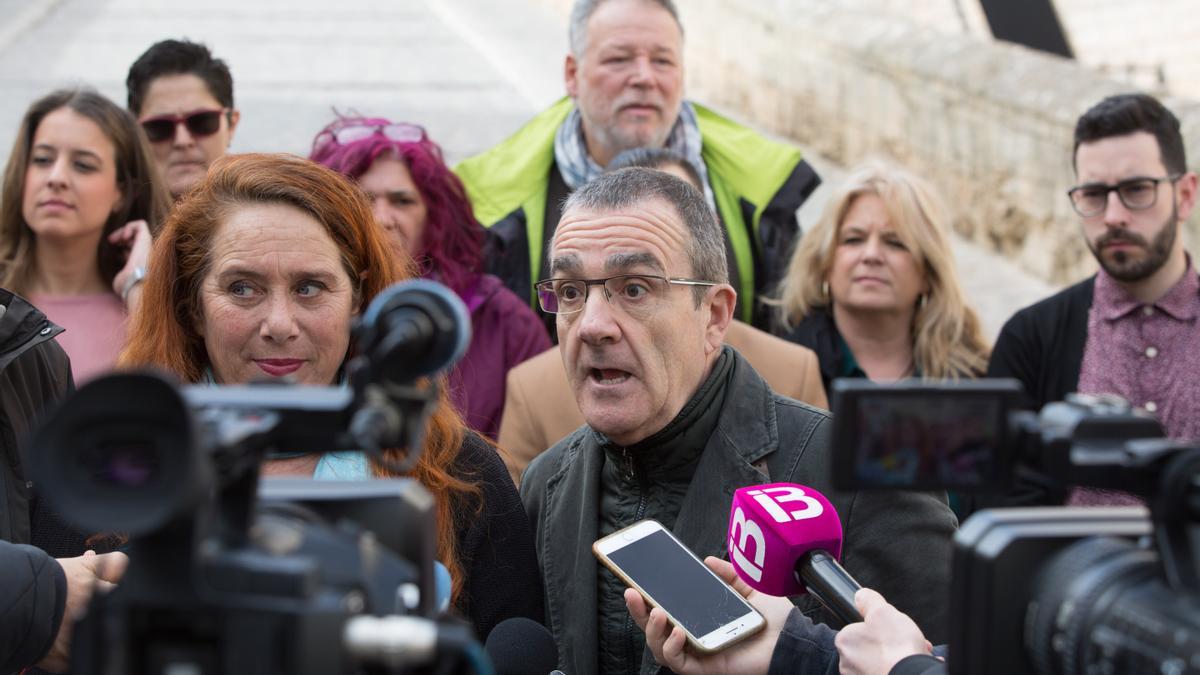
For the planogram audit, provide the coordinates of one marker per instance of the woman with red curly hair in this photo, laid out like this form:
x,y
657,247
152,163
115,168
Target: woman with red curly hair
x,y
424,209
258,275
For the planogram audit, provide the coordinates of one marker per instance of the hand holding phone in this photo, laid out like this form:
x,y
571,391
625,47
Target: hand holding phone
x,y
751,656
650,560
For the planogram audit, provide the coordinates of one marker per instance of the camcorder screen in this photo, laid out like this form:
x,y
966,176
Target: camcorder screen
x,y
921,436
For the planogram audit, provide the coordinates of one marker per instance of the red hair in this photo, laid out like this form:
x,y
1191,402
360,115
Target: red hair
x,y
163,330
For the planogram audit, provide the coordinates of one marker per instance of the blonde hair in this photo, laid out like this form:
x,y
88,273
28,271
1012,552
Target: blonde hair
x,y
948,341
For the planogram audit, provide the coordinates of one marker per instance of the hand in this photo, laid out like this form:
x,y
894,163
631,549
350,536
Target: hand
x,y
135,238
669,643
884,637
85,574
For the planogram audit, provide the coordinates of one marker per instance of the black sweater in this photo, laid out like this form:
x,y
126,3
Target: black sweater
x,y
1042,347
495,543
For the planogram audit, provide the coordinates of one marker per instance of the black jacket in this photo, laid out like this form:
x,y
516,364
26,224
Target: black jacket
x,y
804,647
898,543
33,597
34,373
1042,345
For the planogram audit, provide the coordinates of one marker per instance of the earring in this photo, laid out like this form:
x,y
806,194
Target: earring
x,y
922,300
825,290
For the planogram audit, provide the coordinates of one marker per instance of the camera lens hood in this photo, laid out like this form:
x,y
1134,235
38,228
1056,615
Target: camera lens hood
x,y
120,456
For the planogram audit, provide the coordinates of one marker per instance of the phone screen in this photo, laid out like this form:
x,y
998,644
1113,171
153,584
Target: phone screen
x,y
684,588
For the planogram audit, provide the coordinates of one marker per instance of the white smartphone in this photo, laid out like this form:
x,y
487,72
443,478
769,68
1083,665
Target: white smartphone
x,y
649,559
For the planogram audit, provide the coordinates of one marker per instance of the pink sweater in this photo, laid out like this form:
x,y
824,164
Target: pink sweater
x,y
94,330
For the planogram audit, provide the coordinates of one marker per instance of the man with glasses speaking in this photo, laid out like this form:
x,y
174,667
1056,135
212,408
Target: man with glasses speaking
x,y
676,421
1131,329
183,98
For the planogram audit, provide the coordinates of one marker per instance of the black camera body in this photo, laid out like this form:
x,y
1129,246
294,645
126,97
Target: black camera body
x,y
230,574
1043,589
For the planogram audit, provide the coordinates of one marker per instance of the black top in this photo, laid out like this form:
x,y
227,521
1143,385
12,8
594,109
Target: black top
x,y
495,543
818,332
1042,345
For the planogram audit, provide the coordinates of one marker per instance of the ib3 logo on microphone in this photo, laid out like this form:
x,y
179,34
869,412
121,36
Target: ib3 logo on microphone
x,y
770,521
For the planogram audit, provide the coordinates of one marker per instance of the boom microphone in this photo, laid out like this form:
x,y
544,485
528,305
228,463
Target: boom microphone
x,y
785,539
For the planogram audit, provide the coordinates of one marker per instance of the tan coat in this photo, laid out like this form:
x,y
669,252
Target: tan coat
x,y
540,408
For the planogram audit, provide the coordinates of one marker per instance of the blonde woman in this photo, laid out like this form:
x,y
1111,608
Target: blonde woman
x,y
872,287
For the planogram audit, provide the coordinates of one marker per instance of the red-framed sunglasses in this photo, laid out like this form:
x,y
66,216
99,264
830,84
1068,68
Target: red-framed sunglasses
x,y
199,124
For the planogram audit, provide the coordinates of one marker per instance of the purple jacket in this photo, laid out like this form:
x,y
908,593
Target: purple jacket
x,y
504,332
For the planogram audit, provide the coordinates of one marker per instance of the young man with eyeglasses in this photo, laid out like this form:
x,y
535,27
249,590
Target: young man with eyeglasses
x,y
1132,329
183,98
677,421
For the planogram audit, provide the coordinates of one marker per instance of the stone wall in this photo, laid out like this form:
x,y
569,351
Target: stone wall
x,y
990,123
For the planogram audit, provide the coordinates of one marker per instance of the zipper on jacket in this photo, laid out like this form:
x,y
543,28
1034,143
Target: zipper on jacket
x,y
634,472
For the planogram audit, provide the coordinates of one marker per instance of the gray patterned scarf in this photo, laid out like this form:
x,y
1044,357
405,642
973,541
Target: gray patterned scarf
x,y
577,167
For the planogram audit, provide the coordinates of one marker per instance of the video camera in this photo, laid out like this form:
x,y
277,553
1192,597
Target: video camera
x,y
1043,589
228,575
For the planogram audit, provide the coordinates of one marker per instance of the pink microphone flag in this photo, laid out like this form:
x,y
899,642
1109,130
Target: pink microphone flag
x,y
772,526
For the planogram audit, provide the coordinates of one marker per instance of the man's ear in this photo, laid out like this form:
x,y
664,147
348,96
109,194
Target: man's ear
x,y
570,73
719,305
1186,188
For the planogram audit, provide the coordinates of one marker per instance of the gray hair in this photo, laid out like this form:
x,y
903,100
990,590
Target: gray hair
x,y
657,158
634,185
584,9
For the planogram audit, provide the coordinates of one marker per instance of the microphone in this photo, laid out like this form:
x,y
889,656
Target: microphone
x,y
521,646
412,329
785,539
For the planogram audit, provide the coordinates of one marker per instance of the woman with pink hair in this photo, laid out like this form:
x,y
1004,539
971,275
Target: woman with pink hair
x,y
424,209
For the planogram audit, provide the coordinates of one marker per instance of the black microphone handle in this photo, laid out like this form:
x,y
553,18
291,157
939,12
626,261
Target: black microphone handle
x,y
830,583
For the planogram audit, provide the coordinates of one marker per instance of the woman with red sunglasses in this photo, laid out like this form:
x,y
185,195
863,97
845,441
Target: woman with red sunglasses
x,y
183,97
81,197
424,209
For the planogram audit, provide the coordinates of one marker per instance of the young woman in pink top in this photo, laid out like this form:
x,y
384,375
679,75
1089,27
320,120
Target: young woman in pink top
x,y
80,200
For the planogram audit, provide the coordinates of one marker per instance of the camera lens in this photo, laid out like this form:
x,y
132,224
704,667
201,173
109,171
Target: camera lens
x,y
127,463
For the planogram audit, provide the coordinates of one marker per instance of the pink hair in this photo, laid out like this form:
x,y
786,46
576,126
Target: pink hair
x,y
452,247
